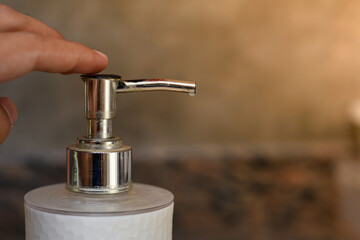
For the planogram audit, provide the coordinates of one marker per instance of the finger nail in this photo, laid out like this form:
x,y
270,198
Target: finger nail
x,y
101,54
10,109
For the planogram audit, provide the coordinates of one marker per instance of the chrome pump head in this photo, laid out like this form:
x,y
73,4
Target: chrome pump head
x,y
99,163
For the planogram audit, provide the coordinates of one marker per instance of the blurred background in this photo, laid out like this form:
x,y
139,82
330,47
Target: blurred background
x,y
268,147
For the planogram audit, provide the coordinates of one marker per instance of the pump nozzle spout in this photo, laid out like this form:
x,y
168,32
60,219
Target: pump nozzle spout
x,y
159,84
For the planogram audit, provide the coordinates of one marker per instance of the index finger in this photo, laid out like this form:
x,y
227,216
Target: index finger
x,y
23,52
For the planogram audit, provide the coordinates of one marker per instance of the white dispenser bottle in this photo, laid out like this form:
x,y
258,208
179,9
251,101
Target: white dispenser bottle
x,y
99,200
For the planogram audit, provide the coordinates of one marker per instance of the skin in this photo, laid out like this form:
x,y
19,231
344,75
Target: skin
x,y
27,45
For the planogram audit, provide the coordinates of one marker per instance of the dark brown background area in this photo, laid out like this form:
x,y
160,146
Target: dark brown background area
x,y
262,193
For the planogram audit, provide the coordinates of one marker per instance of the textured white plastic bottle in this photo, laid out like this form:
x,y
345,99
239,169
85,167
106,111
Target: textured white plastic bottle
x,y
53,213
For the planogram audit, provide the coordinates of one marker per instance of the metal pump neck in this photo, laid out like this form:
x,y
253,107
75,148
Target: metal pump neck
x,y
99,163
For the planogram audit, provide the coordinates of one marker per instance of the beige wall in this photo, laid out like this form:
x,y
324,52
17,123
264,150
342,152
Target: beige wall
x,y
266,71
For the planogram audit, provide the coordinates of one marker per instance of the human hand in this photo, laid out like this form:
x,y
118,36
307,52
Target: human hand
x,y
27,45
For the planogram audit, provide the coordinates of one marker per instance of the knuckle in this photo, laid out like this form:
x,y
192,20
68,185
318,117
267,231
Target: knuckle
x,y
4,7
58,34
77,46
5,10
10,19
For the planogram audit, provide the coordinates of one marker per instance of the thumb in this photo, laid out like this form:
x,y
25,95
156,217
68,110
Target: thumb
x,y
8,116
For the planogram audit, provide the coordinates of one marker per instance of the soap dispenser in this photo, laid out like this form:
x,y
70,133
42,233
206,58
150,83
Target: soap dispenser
x,y
99,200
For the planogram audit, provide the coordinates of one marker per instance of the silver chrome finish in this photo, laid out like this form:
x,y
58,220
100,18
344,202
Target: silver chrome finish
x,y
99,128
100,99
142,85
98,171
99,163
